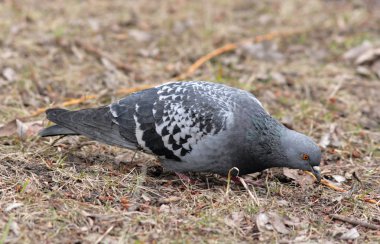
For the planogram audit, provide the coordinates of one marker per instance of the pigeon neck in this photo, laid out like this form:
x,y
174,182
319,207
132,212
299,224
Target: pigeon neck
x,y
264,143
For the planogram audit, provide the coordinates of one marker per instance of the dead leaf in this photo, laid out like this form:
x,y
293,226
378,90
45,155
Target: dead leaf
x,y
271,221
140,36
331,138
12,206
376,68
325,140
355,52
9,74
278,78
234,219
164,208
339,178
292,221
304,180
8,129
15,228
22,129
368,56
146,197
28,129
351,234
278,223
363,71
149,53
262,222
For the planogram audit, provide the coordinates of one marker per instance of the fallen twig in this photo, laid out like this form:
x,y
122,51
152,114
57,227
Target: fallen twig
x,y
231,47
252,195
226,48
104,235
331,186
169,200
336,188
326,183
229,180
355,222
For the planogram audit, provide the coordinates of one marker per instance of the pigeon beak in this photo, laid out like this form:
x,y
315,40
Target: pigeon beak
x,y
316,172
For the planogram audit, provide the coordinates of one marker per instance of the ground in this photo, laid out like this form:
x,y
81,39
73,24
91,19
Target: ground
x,y
75,190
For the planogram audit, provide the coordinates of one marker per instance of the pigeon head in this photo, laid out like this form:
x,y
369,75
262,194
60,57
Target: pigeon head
x,y
301,152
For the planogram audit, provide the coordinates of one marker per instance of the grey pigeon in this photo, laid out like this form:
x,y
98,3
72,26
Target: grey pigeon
x,y
193,126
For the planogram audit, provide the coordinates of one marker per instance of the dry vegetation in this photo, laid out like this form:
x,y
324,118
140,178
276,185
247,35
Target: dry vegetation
x,y
74,190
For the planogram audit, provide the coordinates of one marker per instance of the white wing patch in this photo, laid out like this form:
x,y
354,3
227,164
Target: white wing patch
x,y
186,117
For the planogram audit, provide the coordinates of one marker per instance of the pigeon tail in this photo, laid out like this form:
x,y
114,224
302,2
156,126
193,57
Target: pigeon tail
x,y
57,130
96,124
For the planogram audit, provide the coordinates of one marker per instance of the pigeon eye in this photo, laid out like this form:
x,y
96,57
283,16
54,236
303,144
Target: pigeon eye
x,y
305,157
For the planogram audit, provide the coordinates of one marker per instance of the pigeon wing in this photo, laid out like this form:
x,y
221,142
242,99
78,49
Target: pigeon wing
x,y
170,119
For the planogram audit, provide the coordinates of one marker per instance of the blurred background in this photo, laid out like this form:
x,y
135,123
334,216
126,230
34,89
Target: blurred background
x,y
320,75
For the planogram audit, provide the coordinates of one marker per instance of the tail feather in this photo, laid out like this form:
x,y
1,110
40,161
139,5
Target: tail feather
x,y
95,123
56,130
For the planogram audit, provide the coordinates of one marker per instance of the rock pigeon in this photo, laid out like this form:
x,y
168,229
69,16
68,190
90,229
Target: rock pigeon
x,y
193,126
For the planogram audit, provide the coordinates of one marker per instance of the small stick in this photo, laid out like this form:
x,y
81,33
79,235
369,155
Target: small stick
x,y
226,48
336,188
253,196
331,186
355,222
104,235
231,47
229,179
326,183
369,200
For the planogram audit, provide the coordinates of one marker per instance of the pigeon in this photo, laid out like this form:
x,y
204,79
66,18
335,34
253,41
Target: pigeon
x,y
193,126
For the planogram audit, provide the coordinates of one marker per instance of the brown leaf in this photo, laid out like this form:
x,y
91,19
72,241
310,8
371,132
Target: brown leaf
x,y
376,68
262,222
278,223
9,74
271,221
351,234
356,153
292,221
355,52
339,179
22,129
368,56
8,129
140,36
28,129
304,180
234,219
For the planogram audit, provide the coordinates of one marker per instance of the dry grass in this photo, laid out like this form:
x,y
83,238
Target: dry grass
x,y
80,191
